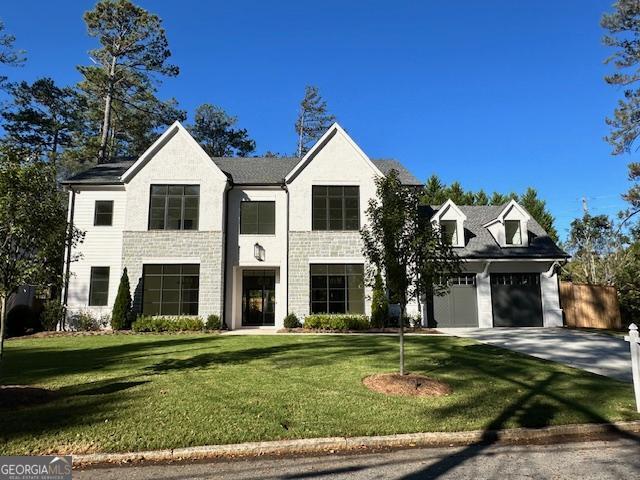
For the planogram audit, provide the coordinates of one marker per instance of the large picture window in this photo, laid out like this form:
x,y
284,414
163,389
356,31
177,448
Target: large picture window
x,y
99,287
335,208
174,207
170,289
337,288
258,218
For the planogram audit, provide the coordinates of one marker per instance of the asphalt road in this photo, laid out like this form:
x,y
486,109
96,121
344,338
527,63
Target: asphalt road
x,y
618,459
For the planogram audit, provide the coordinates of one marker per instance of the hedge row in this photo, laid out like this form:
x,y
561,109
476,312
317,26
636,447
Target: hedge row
x,y
337,322
168,324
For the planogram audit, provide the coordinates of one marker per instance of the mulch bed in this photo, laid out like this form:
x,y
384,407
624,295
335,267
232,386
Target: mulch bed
x,y
15,396
371,330
406,385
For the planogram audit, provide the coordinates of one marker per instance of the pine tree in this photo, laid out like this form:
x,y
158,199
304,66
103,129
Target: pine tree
x,y
480,198
537,208
215,131
313,119
434,192
8,53
121,314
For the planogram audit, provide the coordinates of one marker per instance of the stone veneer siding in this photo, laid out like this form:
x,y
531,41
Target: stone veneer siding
x,y
207,246
302,246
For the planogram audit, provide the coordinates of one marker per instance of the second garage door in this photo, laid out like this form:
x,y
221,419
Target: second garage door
x,y
459,307
516,300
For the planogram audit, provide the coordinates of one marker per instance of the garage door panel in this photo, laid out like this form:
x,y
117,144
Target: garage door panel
x,y
516,300
458,308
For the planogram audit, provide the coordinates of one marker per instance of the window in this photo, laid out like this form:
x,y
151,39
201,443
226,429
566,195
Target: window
x,y
512,231
337,288
99,287
103,213
258,218
521,279
170,289
449,231
335,208
174,207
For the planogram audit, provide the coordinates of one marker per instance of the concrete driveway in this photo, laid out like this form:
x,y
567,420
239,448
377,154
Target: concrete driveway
x,y
594,352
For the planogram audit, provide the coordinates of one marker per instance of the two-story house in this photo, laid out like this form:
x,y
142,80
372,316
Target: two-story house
x,y
253,239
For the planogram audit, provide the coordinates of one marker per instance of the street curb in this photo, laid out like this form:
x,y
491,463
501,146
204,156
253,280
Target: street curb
x,y
561,433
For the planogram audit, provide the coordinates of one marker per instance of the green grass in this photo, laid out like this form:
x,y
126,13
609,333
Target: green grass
x,y
137,392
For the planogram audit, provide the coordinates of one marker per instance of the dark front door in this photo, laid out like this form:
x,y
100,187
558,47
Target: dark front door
x,y
258,298
516,300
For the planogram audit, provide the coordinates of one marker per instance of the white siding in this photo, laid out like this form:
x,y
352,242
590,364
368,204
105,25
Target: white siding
x,y
102,246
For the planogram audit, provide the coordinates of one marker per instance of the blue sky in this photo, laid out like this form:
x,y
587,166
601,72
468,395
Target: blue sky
x,y
498,95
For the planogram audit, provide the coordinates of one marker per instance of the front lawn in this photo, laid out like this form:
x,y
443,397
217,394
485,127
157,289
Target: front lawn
x,y
136,392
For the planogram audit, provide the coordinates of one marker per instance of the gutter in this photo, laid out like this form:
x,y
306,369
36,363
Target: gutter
x,y
223,323
67,262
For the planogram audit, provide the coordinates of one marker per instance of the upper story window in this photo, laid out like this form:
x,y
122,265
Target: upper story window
x,y
335,208
174,207
99,286
103,213
449,231
513,232
257,218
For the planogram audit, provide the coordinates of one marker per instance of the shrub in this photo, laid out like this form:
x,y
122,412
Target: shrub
x,y
337,322
51,314
291,321
83,321
379,304
168,324
120,317
213,322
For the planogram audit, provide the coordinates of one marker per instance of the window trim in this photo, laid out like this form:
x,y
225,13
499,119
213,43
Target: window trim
x,y
95,213
274,217
327,209
92,288
180,290
166,209
327,288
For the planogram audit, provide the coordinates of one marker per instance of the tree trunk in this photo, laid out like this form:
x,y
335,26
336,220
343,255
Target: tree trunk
x,y
300,134
401,334
106,121
3,321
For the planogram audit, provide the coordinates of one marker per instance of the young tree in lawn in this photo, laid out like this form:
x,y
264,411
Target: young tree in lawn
x,y
214,130
121,313
402,245
33,227
313,119
42,118
133,55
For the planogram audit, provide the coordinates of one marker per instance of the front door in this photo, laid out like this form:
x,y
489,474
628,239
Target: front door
x,y
258,298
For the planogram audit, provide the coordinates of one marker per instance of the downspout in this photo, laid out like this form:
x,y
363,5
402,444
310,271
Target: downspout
x,y
284,187
67,261
223,324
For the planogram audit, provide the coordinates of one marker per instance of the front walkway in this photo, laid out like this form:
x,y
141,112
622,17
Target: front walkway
x,y
594,352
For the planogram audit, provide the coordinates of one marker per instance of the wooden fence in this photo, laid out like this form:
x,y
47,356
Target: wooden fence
x,y
590,306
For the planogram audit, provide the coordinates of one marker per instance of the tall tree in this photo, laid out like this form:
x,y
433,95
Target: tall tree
x,y
215,131
128,65
313,119
33,227
401,244
434,192
9,55
623,35
42,117
538,210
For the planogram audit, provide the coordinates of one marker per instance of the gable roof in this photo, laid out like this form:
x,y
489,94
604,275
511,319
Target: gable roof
x,y
241,170
480,244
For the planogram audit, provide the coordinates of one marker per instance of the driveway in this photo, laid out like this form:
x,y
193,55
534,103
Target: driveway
x,y
594,352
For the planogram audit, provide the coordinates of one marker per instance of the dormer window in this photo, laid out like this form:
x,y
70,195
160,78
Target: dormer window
x,y
449,231
513,232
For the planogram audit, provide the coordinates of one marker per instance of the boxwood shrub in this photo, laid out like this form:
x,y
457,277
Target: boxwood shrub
x,y
167,324
336,322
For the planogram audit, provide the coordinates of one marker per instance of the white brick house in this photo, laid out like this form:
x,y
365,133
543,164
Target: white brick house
x,y
252,239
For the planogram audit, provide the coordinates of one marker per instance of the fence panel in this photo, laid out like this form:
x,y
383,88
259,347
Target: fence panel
x,y
590,306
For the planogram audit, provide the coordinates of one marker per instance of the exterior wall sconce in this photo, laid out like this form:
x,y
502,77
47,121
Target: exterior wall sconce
x,y
258,252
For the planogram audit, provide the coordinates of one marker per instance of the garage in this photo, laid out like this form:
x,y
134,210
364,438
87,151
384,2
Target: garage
x,y
459,307
516,300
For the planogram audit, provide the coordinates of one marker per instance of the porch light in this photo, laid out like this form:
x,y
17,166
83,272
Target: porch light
x,y
258,252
